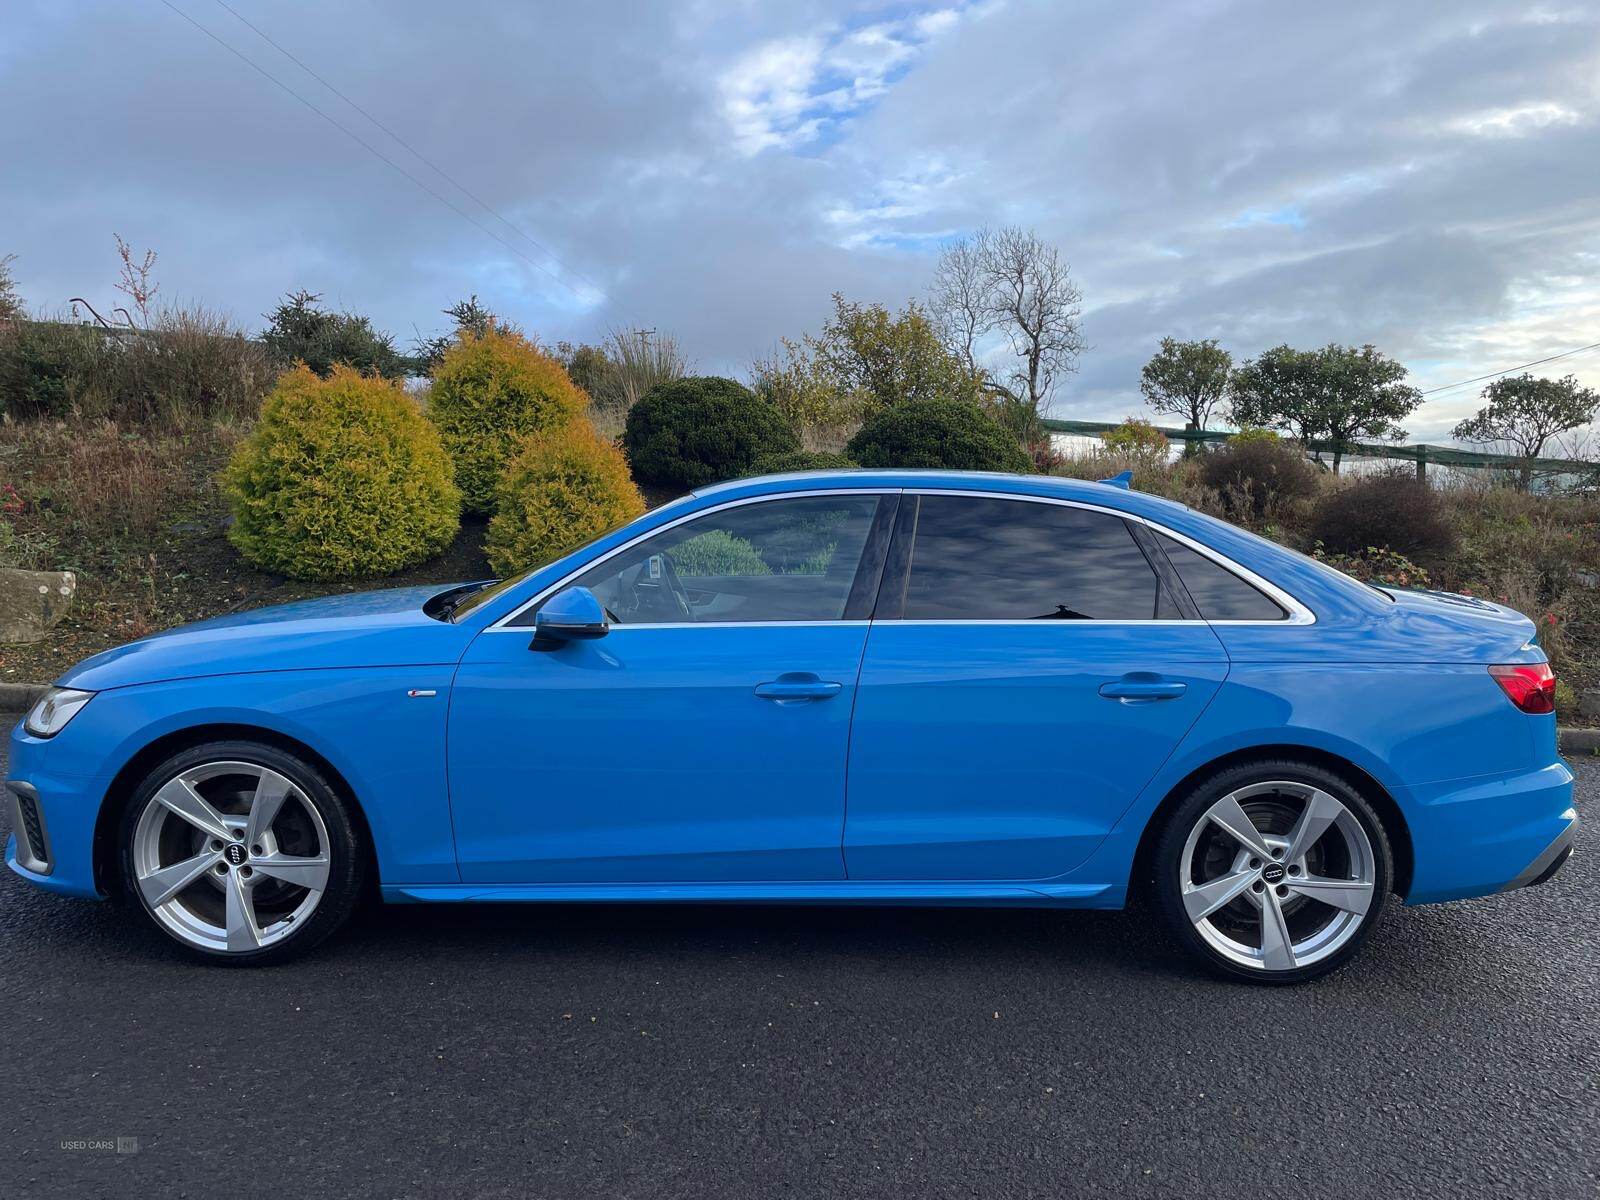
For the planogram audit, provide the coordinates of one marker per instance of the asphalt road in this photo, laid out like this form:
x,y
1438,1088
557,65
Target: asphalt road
x,y
573,1052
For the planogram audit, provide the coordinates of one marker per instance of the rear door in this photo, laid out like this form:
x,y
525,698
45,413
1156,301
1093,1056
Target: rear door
x,y
1031,664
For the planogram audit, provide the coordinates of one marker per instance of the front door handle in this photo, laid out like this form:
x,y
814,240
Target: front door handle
x,y
1142,689
787,688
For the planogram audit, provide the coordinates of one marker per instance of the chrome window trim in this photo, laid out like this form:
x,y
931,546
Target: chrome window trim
x,y
503,625
1299,614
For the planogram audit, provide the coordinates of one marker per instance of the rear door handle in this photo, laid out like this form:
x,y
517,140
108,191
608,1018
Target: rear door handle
x,y
1143,689
798,687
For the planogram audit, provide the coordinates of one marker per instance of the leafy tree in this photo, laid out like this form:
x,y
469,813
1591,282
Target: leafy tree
x,y
300,331
587,365
1526,412
1337,394
865,360
799,387
887,359
1187,380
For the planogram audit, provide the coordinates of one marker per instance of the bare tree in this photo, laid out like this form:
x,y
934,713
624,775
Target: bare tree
x,y
959,297
1035,304
1012,283
135,279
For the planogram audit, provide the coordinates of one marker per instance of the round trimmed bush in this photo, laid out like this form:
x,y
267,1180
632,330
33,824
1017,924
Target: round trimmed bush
x,y
1392,510
718,552
561,490
801,460
955,435
490,391
700,429
341,476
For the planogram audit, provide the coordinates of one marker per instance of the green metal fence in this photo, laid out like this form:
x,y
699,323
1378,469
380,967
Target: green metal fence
x,y
1421,454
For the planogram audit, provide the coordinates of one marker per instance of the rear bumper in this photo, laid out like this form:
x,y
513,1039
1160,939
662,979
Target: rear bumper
x,y
1550,861
1475,837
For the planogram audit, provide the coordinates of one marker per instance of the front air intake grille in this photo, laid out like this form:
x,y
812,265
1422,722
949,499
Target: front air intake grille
x,y
33,844
30,823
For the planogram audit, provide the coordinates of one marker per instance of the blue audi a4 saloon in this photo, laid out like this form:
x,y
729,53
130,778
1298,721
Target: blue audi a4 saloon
x,y
869,687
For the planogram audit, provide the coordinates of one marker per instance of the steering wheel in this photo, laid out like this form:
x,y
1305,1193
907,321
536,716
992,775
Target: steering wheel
x,y
669,576
662,599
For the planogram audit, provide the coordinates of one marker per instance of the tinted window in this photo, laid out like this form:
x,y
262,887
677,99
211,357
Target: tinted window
x,y
977,559
777,560
1218,592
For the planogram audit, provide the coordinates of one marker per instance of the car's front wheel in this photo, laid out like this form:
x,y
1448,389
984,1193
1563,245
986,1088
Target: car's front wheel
x,y
1275,872
240,852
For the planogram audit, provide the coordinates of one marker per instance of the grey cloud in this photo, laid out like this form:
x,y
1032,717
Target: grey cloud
x,y
1137,137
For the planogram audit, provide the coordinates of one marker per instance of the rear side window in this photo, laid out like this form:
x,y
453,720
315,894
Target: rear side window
x,y
1013,560
1219,594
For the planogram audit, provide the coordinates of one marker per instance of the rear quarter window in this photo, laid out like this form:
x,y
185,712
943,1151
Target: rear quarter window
x,y
1218,593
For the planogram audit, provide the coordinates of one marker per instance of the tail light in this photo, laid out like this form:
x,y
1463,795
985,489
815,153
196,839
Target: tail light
x,y
1531,686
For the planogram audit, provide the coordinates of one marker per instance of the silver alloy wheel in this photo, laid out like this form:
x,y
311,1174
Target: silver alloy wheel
x,y
210,856
1277,875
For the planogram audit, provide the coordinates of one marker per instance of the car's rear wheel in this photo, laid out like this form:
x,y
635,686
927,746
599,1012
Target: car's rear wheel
x,y
241,853
1275,872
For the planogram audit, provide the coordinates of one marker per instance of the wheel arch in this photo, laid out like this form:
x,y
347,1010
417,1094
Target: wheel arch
x,y
145,759
1370,789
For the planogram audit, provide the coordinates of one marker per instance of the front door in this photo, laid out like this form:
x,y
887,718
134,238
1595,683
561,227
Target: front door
x,y
704,738
1039,674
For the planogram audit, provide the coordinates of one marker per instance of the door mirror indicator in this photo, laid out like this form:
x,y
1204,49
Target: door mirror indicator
x,y
572,614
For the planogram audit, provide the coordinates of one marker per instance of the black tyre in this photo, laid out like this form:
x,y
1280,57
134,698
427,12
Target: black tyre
x,y
1273,871
240,852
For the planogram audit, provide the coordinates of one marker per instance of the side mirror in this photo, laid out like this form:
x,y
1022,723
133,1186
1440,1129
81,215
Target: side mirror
x,y
572,614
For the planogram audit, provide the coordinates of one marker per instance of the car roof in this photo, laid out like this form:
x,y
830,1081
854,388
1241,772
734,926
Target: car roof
x,y
1105,495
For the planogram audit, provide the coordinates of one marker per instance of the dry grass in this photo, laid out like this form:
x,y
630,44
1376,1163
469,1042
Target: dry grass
x,y
95,481
190,365
111,505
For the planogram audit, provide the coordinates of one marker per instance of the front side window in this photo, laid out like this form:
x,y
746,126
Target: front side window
x,y
979,559
775,560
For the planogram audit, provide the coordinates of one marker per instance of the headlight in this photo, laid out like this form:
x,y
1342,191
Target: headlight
x,y
55,708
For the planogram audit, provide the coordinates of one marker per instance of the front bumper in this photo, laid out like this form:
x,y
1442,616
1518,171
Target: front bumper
x,y
52,819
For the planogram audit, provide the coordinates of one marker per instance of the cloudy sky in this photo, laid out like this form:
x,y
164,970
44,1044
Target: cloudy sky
x,y
1423,176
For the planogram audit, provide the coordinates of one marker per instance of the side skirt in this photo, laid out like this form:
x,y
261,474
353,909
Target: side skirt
x,y
981,895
